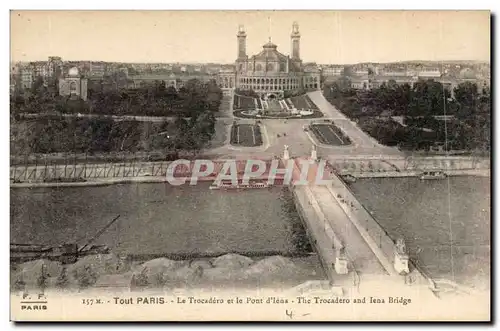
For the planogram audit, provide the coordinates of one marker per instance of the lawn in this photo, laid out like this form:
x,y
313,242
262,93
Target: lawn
x,y
247,135
330,134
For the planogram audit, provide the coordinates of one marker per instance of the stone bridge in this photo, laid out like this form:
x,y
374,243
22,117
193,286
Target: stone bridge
x,y
351,245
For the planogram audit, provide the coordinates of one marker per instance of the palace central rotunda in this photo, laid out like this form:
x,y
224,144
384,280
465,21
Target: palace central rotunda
x,y
270,73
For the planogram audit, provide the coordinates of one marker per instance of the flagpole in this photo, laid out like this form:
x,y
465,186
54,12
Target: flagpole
x,y
269,27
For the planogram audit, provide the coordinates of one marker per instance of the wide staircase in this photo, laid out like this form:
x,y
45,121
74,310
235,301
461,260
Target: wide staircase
x,y
283,105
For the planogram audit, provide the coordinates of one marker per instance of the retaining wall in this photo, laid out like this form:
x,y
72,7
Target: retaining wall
x,y
114,170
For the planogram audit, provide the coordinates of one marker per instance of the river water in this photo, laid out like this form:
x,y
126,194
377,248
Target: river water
x,y
446,223
159,218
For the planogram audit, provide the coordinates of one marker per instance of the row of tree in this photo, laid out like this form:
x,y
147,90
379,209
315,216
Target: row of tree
x,y
55,134
424,98
467,128
154,100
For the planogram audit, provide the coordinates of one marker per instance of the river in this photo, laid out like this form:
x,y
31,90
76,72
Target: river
x,y
446,223
159,218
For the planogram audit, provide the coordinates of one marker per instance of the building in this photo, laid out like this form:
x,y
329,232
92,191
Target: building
x,y
55,67
360,82
377,81
429,72
15,69
73,85
14,77
394,73
269,73
39,69
123,71
361,72
97,69
26,76
332,71
141,81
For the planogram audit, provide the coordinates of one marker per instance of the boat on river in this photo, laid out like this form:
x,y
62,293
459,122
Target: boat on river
x,y
230,186
433,175
348,179
65,253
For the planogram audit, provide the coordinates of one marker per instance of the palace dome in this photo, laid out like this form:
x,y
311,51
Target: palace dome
x,y
269,44
269,53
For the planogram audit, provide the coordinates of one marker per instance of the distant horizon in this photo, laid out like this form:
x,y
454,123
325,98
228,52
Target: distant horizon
x,y
232,63
327,37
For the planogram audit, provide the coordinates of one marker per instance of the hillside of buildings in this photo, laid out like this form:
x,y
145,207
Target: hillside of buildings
x,y
449,72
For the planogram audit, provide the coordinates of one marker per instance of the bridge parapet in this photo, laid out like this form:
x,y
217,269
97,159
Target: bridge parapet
x,y
366,230
382,245
327,244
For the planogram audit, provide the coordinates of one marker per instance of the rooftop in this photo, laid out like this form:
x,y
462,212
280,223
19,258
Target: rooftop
x,y
269,52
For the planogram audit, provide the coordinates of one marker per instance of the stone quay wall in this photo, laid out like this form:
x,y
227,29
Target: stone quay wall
x,y
147,171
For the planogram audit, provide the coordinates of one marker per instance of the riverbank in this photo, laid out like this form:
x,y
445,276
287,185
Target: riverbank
x,y
162,179
398,174
100,182
274,288
112,271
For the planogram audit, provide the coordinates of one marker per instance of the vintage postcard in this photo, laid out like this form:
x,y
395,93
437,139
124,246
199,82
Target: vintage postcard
x,y
250,166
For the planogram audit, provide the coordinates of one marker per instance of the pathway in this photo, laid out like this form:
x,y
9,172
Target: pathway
x,y
362,256
360,138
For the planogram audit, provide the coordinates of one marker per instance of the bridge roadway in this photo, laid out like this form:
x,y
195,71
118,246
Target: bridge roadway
x,y
362,257
330,227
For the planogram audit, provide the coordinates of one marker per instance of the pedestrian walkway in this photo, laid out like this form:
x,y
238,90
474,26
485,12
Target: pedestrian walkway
x,y
360,138
362,257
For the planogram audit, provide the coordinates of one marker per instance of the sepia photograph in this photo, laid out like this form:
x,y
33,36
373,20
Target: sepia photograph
x,y
259,165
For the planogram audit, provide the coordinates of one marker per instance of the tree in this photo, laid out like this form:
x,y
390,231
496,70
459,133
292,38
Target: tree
x,y
466,95
62,280
348,71
343,84
195,134
429,98
171,92
37,87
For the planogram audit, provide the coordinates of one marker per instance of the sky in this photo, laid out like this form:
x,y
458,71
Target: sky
x,y
337,37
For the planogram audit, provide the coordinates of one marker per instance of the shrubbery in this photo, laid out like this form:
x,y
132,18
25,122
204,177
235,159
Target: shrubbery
x,y
469,128
58,134
55,134
155,100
